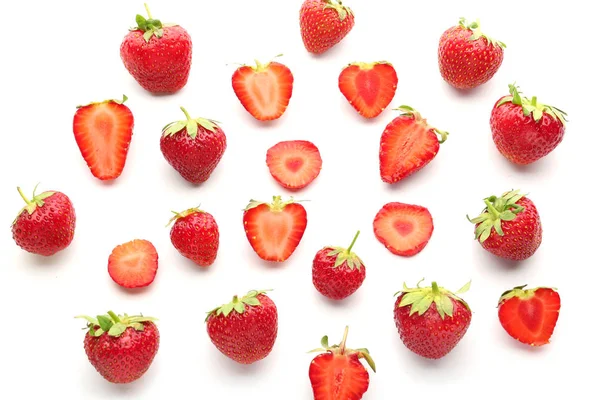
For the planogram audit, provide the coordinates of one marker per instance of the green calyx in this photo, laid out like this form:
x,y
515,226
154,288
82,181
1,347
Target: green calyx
x,y
183,214
113,324
150,26
35,202
342,10
260,67
116,101
367,66
520,293
420,299
237,304
276,206
475,29
498,209
346,256
532,107
190,125
411,112
341,349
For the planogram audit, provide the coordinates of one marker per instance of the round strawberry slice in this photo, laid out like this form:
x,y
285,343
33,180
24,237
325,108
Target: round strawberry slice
x,y
294,164
133,264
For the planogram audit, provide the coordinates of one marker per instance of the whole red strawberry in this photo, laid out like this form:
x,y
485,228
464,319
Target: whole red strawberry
x,y
245,329
467,58
46,225
195,235
121,347
525,130
157,55
338,272
509,227
193,147
324,23
431,320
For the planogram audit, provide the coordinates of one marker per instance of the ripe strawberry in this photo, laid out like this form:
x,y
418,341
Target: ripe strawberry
x,y
264,90
509,227
324,23
431,320
103,132
157,55
337,272
407,145
193,147
133,264
195,235
467,58
524,130
245,329
274,230
369,87
46,225
121,347
338,373
294,164
529,315
404,229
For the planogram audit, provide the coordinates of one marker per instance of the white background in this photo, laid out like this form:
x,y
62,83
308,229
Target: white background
x,y
56,55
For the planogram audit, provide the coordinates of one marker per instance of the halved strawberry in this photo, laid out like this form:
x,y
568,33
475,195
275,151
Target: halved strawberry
x,y
407,145
274,230
264,90
369,87
133,264
103,132
529,315
294,164
404,229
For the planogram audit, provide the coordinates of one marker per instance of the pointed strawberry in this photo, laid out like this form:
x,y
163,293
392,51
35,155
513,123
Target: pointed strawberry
x,y
295,163
195,235
324,23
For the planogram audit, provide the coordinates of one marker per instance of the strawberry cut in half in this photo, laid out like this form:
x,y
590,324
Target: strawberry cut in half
x,y
529,315
133,264
264,90
369,87
103,133
404,229
274,230
294,164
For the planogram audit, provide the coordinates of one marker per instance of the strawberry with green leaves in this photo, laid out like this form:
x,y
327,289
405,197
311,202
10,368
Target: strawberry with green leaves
x,y
324,23
195,235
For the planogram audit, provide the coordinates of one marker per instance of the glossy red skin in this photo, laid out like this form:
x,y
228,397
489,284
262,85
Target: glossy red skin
x,y
429,335
163,64
49,229
126,358
246,338
351,377
467,64
321,28
519,138
194,159
196,236
522,236
335,283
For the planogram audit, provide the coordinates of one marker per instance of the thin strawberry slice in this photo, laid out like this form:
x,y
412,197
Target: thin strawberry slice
x,y
103,133
369,87
294,164
404,229
338,377
264,90
133,264
407,145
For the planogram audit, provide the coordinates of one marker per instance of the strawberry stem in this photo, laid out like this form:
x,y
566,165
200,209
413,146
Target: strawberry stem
x,y
114,317
23,196
148,11
492,209
353,241
187,115
343,343
435,289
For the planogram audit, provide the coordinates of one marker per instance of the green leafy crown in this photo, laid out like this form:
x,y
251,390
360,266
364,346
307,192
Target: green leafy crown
x,y
237,304
341,349
498,210
35,202
150,26
113,324
532,107
411,112
521,293
276,206
342,10
346,256
475,29
420,299
190,125
184,214
116,101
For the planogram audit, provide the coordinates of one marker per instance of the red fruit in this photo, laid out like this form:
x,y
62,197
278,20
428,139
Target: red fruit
x,y
337,272
467,58
46,225
193,147
294,164
407,145
264,90
524,130
103,132
274,230
195,235
245,329
432,320
369,87
509,227
158,56
122,347
338,373
404,229
324,23
529,315
133,264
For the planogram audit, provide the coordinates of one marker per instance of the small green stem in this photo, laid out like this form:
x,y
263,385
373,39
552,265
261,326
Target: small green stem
x,y
186,113
353,241
114,317
23,196
435,289
343,343
491,209
148,11
235,299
